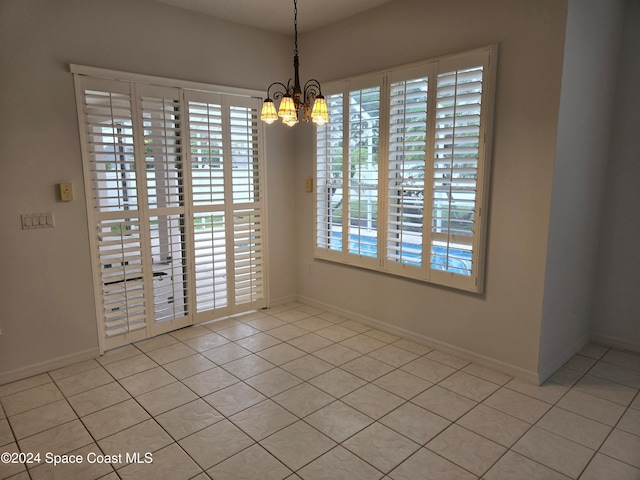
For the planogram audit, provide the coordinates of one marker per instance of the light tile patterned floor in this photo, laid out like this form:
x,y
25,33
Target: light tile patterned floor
x,y
297,393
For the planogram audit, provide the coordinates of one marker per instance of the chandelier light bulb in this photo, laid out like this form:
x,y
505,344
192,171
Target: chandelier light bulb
x,y
290,122
319,114
287,108
268,114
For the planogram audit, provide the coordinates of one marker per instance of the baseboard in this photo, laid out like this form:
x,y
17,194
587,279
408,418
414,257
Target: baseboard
x,y
547,372
47,366
276,302
487,362
615,342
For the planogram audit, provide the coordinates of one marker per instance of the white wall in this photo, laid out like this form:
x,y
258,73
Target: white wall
x,y
616,317
502,326
588,87
47,315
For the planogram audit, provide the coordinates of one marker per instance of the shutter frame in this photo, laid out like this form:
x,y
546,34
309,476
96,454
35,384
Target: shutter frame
x,y
159,131
477,160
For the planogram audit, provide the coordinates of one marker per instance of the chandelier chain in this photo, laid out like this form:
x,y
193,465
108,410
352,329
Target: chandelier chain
x,y
295,24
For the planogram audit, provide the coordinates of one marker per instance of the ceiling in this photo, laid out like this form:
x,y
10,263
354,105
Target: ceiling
x,y
277,15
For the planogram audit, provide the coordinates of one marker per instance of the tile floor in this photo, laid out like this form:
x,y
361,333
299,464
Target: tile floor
x,y
297,393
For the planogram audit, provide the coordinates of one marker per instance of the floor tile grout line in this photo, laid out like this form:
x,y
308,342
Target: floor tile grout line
x,y
374,421
535,426
628,407
405,401
397,407
299,418
595,452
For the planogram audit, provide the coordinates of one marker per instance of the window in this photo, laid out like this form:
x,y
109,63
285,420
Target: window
x,y
173,177
402,170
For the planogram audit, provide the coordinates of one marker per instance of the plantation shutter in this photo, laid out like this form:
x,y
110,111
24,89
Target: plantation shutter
x,y
329,177
228,219
414,170
248,221
176,208
165,200
458,171
347,180
362,171
406,169
208,178
112,186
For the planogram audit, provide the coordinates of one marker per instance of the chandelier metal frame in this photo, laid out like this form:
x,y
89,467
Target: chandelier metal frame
x,y
294,98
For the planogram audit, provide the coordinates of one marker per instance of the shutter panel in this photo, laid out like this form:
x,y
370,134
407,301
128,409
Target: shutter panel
x,y
406,171
165,200
455,169
247,228
228,222
210,261
245,178
208,189
108,124
121,270
163,151
362,207
329,179
112,191
248,256
168,248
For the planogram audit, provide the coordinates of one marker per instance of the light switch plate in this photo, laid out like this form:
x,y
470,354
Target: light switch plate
x,y
37,220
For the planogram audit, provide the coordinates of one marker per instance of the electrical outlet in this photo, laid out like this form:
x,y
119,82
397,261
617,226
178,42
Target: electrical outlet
x,y
308,184
66,191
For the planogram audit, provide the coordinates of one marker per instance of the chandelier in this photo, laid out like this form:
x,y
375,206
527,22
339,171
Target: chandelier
x,y
296,100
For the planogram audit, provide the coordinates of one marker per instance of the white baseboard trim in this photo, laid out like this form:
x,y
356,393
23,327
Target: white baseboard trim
x,y
48,365
615,342
568,354
487,362
276,302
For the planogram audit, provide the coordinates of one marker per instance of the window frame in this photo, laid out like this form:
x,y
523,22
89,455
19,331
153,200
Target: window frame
x,y
484,57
